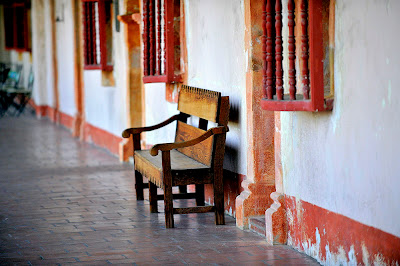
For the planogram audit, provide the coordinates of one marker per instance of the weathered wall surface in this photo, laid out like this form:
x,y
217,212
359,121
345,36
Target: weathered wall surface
x,y
216,60
157,110
40,69
346,161
50,101
65,54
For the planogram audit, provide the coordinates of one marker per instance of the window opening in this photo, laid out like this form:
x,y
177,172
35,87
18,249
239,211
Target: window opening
x,y
97,30
161,44
309,63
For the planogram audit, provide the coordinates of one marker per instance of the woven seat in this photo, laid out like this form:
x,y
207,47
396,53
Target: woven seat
x,y
151,167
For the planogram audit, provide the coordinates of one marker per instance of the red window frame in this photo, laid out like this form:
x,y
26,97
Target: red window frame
x,y
311,59
17,26
161,43
96,42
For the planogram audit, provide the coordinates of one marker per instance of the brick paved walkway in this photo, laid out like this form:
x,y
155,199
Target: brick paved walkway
x,y
63,201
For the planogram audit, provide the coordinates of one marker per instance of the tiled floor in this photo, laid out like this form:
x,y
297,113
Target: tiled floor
x,y
63,201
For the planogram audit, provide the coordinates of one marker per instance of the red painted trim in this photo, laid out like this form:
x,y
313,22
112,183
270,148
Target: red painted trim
x,y
66,120
316,55
102,33
169,40
101,138
92,67
340,233
163,78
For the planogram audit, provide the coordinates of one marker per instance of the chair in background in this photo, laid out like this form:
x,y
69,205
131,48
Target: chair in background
x,y
12,81
20,96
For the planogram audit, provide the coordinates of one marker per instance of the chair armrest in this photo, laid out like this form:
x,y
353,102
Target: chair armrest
x,y
137,130
176,145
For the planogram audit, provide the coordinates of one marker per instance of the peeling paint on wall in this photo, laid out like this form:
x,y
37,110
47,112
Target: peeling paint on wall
x,y
333,239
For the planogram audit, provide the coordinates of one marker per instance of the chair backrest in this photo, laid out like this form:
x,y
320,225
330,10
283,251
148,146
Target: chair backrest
x,y
207,106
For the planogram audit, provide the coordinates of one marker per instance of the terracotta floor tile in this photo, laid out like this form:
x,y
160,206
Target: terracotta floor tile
x,y
64,201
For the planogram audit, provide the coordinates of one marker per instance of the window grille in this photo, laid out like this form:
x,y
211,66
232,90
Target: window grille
x,y
17,26
306,55
161,48
97,32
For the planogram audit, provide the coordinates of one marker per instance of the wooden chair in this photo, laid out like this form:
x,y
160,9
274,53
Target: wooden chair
x,y
196,156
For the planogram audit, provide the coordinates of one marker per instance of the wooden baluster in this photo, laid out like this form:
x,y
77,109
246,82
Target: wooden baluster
x,y
304,50
158,37
152,36
292,51
145,37
269,49
278,50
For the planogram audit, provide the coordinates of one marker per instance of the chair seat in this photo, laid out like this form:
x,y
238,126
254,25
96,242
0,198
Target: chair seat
x,y
184,169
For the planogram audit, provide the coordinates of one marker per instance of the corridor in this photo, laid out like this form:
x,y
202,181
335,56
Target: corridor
x,y
64,201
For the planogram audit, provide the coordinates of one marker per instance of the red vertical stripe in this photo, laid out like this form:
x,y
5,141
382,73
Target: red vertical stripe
x,y
304,50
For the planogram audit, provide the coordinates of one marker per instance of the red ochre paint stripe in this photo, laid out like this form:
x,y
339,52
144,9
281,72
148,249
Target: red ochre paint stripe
x,y
340,233
102,138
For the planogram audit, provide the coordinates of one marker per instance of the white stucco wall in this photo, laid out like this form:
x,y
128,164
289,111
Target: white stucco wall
x,y
49,58
105,107
157,110
347,160
39,52
216,60
65,56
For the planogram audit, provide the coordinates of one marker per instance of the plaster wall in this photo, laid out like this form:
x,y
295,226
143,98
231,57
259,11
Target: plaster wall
x,y
346,161
105,106
216,61
50,101
65,54
39,52
157,109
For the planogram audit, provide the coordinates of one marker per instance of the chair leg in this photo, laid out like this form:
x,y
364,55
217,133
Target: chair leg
x,y
219,198
200,199
168,206
24,102
139,186
153,197
167,181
